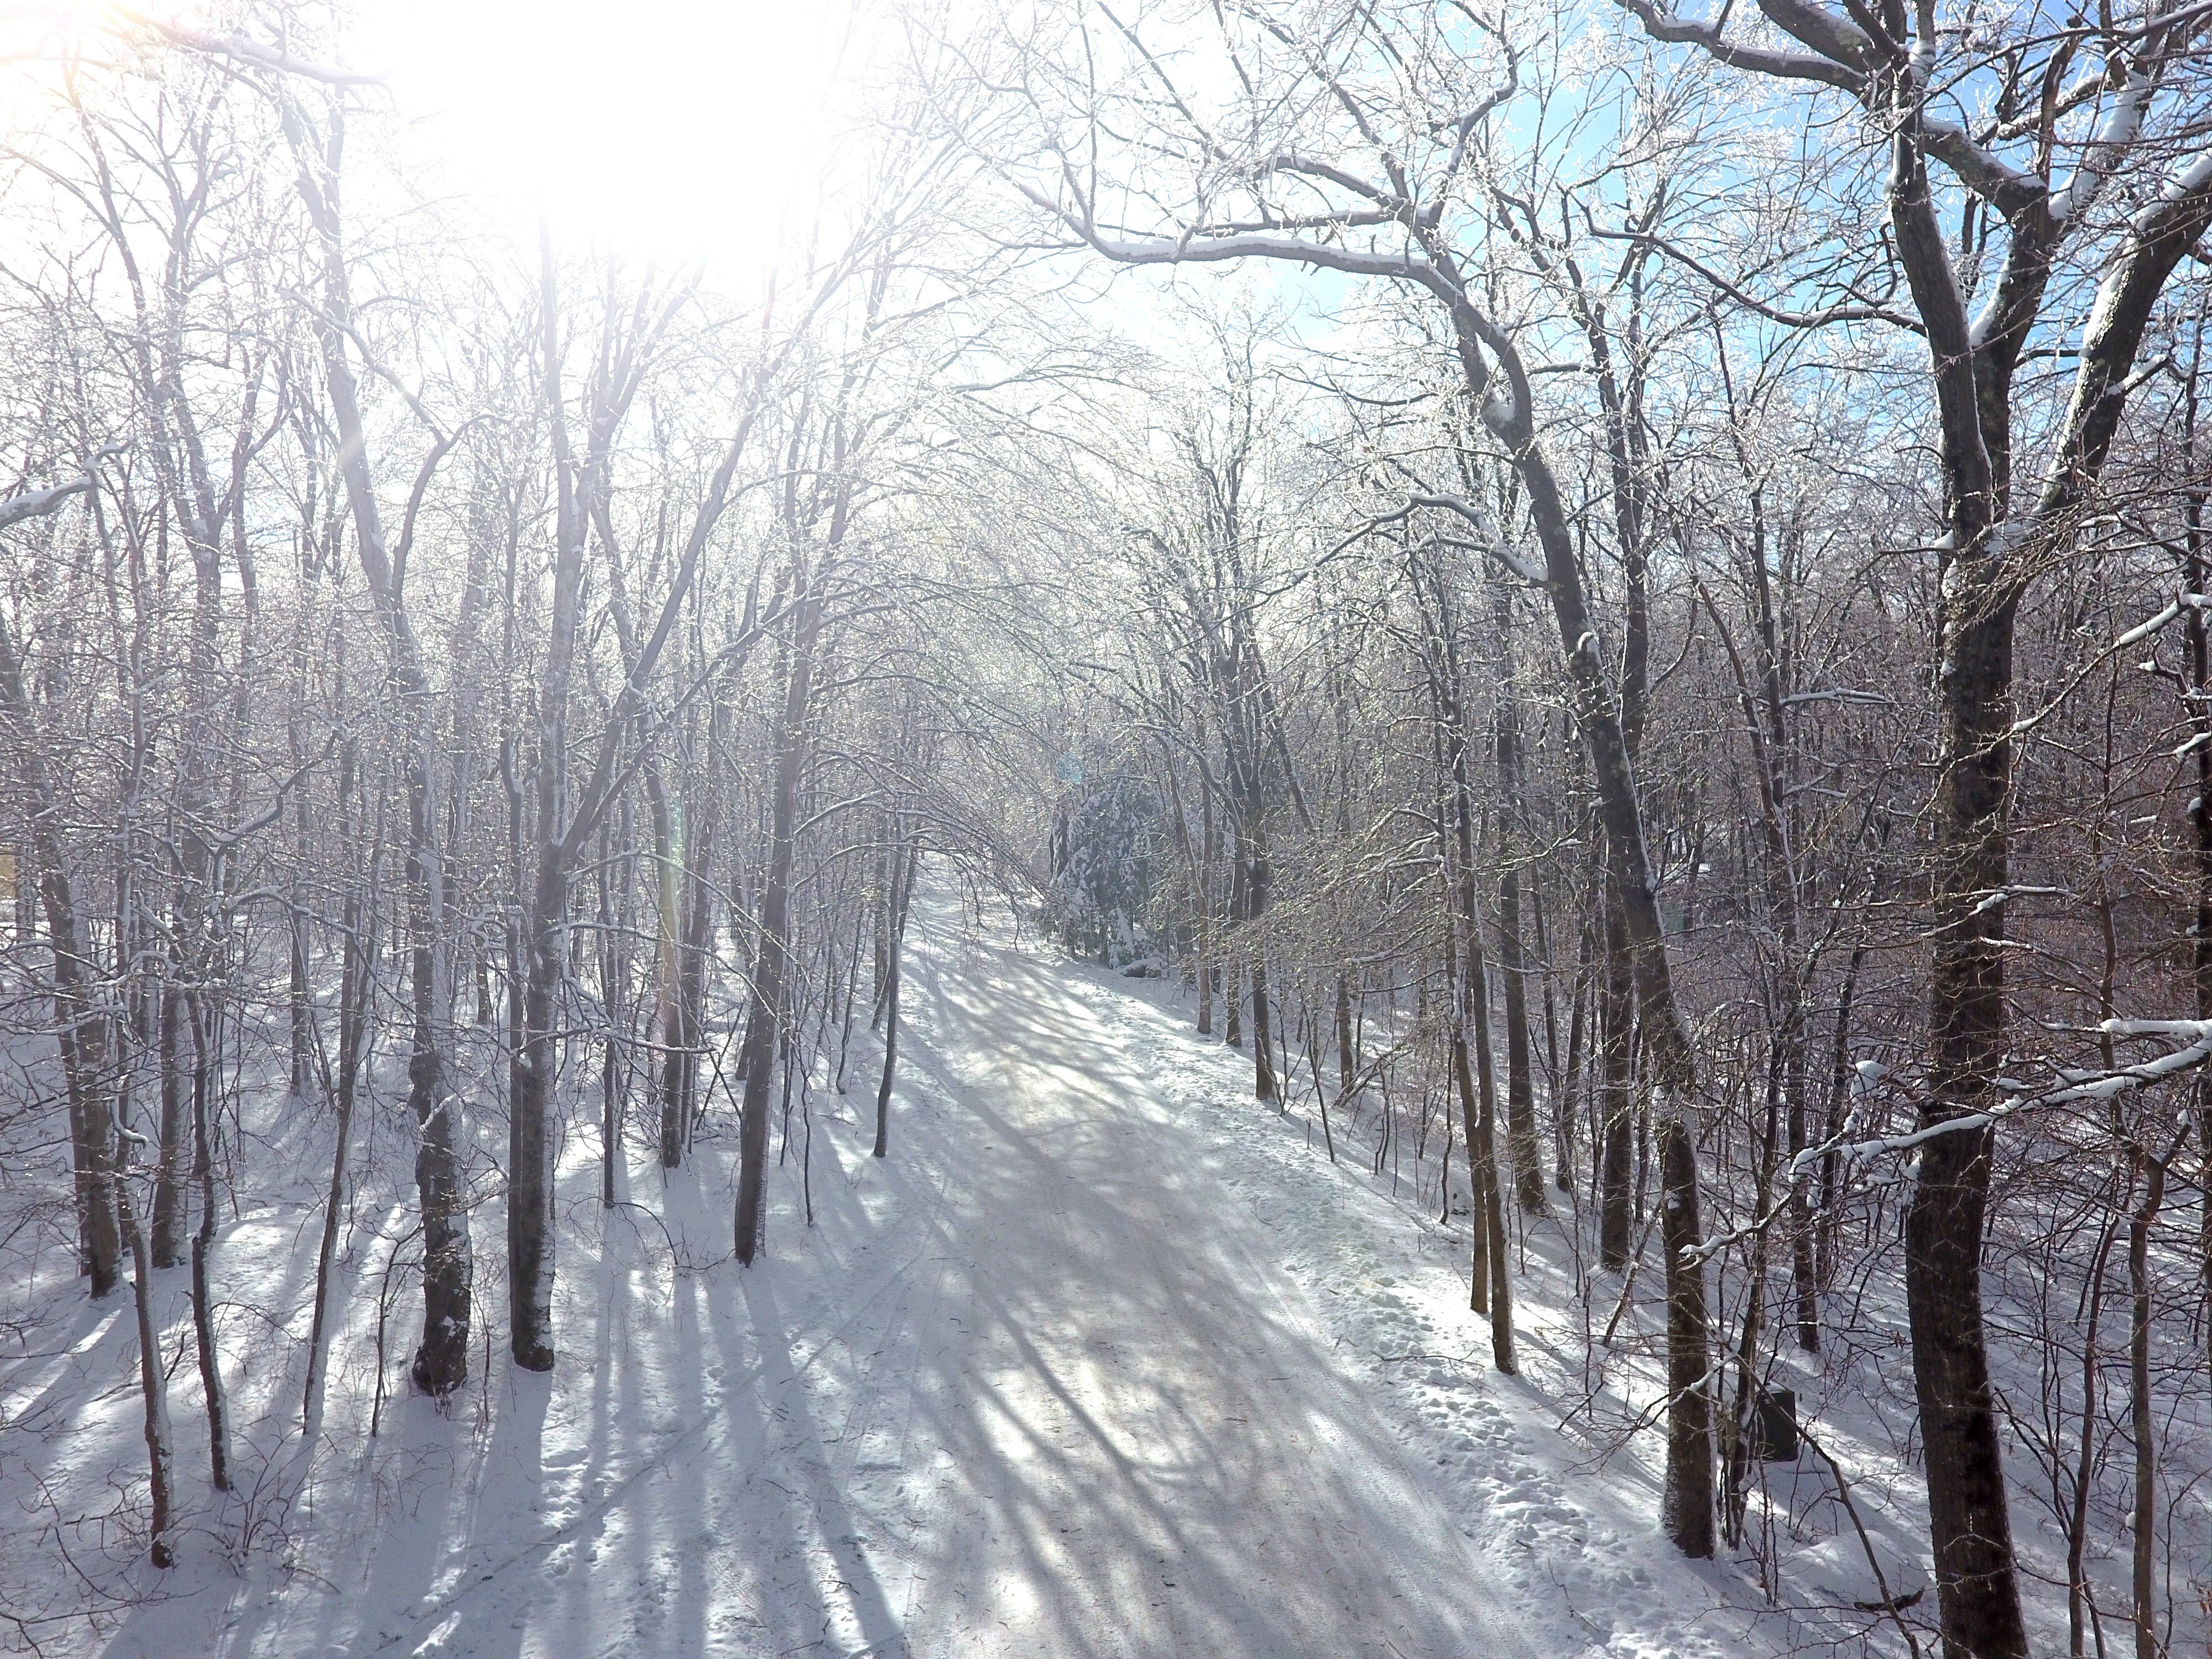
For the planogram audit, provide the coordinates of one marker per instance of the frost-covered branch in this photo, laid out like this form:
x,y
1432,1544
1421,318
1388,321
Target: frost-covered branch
x,y
1489,538
2134,637
2076,1088
1197,246
1773,313
238,49
37,503
1661,25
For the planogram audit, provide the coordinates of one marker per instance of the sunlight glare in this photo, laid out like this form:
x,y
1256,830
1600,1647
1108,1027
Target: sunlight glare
x,y
674,128
29,31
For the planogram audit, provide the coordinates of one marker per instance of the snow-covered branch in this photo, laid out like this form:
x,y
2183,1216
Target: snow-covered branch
x,y
2076,1088
1489,538
1990,176
2115,133
1196,246
238,49
37,503
2142,631
1773,313
1791,66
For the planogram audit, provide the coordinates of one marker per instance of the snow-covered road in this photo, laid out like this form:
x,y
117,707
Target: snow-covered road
x,y
1131,1436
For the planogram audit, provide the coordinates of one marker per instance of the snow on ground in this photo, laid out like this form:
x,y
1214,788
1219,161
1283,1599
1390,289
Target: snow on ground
x,y
1569,1549
1105,1359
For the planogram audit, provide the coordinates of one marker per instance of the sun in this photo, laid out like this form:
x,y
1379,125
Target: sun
x,y
674,128
52,27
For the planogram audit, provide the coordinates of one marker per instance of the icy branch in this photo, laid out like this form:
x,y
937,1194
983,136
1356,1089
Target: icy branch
x,y
1996,897
2076,1088
2119,128
1997,181
1840,694
1774,313
2142,631
37,503
238,49
2191,179
1195,245
2135,635
1491,541
1790,65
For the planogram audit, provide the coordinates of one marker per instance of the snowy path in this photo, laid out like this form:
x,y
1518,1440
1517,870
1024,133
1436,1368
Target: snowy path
x,y
1143,1442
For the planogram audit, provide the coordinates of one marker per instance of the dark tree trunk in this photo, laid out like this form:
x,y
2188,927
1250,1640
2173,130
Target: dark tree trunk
x,y
218,1407
1209,933
1513,965
355,974
903,896
1968,1517
1616,1101
1347,1056
680,1074
168,1240
770,1002
1492,1290
80,1019
2142,1422
152,1382
891,1056
2197,707
1253,873
665,971
1687,1507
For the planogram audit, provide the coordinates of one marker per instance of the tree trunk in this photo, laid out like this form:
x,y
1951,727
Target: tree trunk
x,y
529,1241
772,965
614,980
1347,1041
218,1405
666,971
80,1023
168,1240
354,989
1687,1506
1255,874
1208,940
1513,968
1968,1517
1616,1109
441,1362
2197,710
903,891
680,1077
1482,1168
152,1382
2141,1426
1471,996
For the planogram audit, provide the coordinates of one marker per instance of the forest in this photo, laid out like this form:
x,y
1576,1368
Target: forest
x,y
1597,609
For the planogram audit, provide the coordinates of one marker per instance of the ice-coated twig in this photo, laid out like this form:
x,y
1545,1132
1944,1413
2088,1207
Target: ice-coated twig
x,y
1493,543
238,49
2135,635
2075,1088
